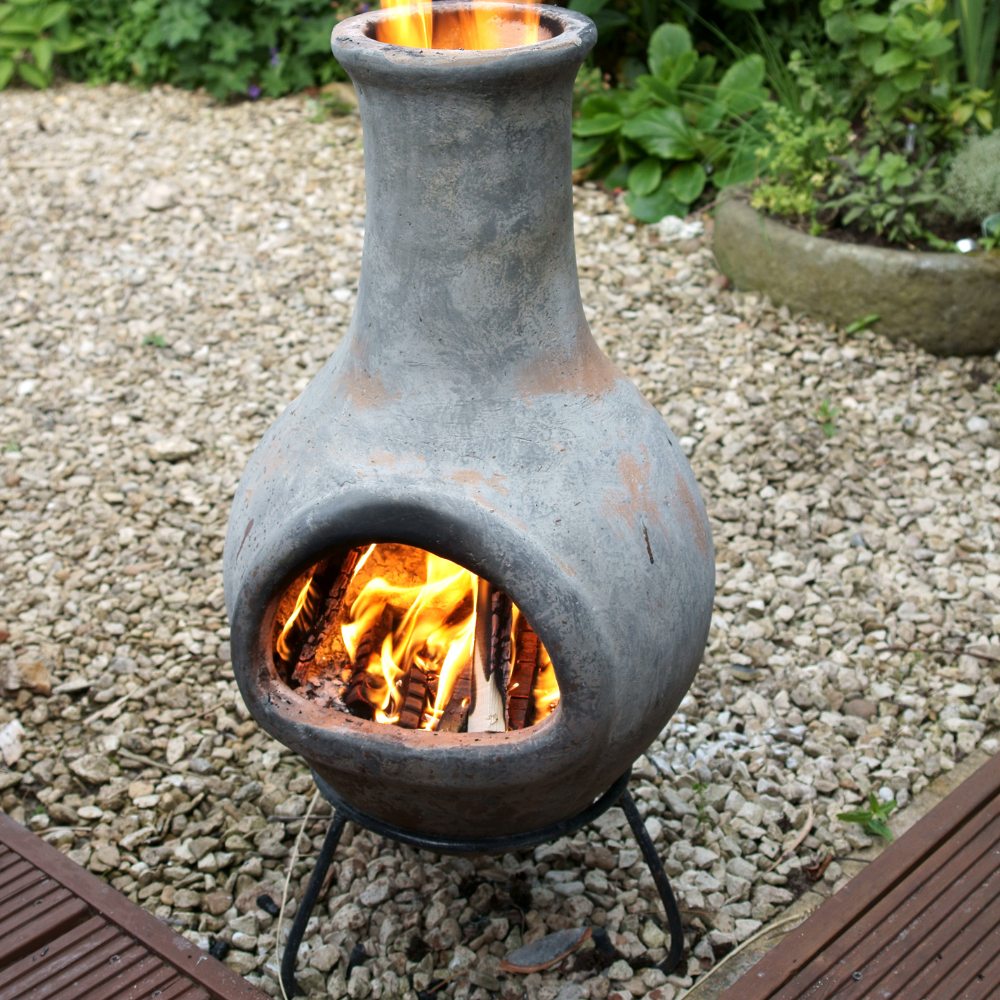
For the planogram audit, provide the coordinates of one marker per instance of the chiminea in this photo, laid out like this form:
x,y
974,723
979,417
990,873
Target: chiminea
x,y
468,570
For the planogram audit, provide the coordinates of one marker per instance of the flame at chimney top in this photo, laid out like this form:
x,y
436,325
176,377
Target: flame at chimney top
x,y
479,25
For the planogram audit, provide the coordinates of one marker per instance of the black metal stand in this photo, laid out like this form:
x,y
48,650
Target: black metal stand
x,y
618,793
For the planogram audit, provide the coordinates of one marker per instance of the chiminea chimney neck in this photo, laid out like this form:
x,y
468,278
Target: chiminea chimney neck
x,y
469,191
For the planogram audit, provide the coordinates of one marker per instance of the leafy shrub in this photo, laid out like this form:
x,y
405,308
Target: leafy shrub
x,y
797,166
676,128
816,174
230,47
973,179
30,35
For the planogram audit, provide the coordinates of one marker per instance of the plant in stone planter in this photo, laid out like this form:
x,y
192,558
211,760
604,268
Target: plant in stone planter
x,y
677,130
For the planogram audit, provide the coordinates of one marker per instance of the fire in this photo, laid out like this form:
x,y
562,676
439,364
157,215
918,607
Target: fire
x,y
480,25
433,634
304,600
389,633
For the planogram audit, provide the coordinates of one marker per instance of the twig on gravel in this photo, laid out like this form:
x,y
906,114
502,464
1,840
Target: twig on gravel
x,y
284,894
793,846
139,759
111,706
750,940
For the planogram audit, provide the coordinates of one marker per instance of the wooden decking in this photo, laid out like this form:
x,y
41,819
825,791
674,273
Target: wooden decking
x,y
66,935
922,922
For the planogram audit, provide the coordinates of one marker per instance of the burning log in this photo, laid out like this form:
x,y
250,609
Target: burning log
x,y
490,660
455,718
413,703
361,697
331,584
522,681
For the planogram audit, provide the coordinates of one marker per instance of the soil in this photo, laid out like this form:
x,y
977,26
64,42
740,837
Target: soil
x,y
950,230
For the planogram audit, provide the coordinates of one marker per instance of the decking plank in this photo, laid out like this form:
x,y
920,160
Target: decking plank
x,y
65,935
920,923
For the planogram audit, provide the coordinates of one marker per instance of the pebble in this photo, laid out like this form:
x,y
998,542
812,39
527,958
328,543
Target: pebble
x,y
148,337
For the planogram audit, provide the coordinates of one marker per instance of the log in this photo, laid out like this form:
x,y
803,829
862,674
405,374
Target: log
x,y
358,697
522,681
331,584
455,718
414,699
490,660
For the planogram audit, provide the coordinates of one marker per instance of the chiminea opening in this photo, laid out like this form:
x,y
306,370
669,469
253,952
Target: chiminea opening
x,y
400,636
473,26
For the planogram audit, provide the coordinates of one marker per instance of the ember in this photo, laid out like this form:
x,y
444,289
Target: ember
x,y
480,25
403,637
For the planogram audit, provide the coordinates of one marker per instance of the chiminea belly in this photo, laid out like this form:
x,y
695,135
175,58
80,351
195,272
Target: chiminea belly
x,y
507,475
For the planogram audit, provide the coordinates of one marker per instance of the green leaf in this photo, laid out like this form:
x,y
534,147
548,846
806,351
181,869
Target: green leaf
x,y
862,324
741,169
587,7
871,24
840,28
54,12
603,123
687,181
617,177
886,95
674,72
744,4
879,828
669,41
33,75
740,88
71,44
909,80
42,51
595,103
6,72
655,90
655,206
606,20
662,132
869,50
891,61
584,150
23,20
935,47
644,178
856,816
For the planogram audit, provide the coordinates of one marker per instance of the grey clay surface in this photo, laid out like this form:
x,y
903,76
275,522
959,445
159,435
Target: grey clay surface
x,y
470,412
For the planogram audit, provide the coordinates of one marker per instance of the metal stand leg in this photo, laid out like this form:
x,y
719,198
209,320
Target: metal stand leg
x,y
307,903
660,878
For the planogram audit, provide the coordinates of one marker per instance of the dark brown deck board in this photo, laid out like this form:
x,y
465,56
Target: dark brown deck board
x,y
922,922
66,935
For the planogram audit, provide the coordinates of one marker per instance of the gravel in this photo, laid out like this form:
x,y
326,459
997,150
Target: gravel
x,y
172,273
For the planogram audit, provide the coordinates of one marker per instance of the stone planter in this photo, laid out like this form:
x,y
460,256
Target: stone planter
x,y
947,303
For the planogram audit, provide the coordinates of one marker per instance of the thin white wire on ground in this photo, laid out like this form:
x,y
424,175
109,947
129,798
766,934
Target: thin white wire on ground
x,y
284,893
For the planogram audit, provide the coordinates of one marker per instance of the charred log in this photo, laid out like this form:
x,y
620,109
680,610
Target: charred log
x,y
361,698
455,718
330,582
522,680
414,699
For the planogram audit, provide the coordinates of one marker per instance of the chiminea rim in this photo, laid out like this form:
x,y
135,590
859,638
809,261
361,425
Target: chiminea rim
x,y
353,40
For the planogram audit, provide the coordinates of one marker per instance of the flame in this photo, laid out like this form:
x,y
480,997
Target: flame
x,y
394,627
481,25
304,600
545,693
426,636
